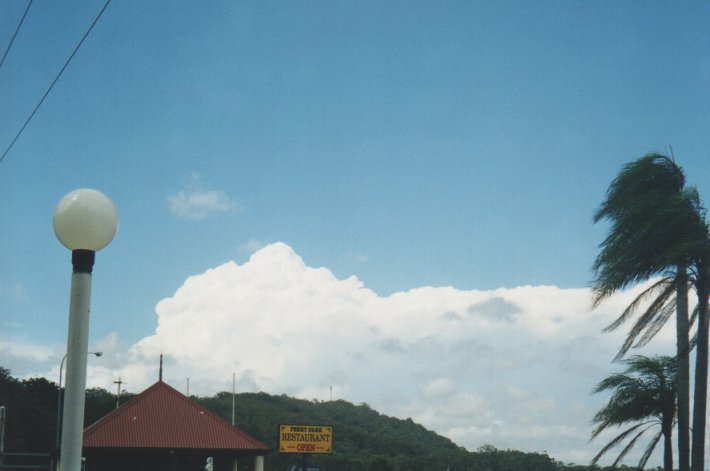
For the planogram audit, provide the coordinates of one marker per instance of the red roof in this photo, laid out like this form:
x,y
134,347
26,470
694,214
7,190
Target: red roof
x,y
162,417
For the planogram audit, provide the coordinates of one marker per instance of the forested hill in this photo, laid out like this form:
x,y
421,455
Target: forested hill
x,y
363,439
361,436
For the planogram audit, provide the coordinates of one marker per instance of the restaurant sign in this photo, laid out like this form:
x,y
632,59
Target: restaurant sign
x,y
305,438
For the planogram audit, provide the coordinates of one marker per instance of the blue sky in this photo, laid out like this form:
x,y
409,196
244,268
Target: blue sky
x,y
410,144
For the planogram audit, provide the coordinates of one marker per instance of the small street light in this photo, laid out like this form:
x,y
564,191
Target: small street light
x,y
85,221
59,396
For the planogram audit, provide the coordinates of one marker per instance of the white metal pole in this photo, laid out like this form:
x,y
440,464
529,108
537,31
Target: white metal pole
x,y
77,351
84,221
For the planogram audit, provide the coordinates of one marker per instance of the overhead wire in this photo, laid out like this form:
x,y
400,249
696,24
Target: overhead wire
x,y
29,118
17,30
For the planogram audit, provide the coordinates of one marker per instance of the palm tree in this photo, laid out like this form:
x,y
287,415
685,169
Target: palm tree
x,y
644,395
658,227
702,288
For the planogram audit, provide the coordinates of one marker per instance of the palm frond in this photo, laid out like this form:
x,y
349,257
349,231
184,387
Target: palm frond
x,y
653,318
629,446
693,341
643,395
656,324
616,441
659,286
649,450
693,316
652,172
656,223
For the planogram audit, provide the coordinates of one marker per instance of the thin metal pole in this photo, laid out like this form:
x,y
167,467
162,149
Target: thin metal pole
x,y
118,392
77,350
234,385
59,403
2,434
2,430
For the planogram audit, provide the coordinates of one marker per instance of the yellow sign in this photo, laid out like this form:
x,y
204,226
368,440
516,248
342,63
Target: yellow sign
x,y
305,439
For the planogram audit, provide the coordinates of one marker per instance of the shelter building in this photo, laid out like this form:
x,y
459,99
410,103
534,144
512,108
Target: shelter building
x,y
162,429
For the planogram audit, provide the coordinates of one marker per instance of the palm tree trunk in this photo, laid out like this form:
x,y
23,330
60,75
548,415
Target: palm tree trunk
x,y
701,374
683,356
670,406
668,449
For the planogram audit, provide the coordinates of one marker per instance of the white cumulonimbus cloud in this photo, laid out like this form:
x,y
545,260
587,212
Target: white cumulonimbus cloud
x,y
509,367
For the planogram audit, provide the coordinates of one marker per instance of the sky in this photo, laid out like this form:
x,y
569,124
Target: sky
x,y
390,199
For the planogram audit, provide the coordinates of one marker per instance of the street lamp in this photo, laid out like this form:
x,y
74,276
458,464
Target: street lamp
x,y
59,396
85,221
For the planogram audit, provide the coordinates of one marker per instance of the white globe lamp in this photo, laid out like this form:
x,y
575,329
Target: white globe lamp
x,y
85,219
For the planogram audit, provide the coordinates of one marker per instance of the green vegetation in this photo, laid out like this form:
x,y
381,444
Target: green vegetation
x,y
658,228
645,396
364,440
31,404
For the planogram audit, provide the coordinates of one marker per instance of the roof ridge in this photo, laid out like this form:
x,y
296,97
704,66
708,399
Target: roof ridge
x,y
214,416
111,416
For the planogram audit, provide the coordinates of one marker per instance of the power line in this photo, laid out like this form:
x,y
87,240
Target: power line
x,y
16,31
29,118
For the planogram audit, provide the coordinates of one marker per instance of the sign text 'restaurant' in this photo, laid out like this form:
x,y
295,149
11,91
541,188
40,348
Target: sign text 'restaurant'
x,y
305,439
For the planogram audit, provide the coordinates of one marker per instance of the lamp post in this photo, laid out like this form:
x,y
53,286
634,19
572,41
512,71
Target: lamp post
x,y
59,396
85,221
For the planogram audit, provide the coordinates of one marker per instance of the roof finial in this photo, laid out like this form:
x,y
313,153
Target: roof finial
x,y
160,374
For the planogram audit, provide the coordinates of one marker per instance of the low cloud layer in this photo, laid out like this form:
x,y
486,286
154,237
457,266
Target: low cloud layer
x,y
510,367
